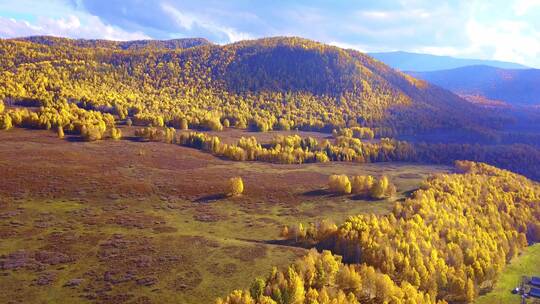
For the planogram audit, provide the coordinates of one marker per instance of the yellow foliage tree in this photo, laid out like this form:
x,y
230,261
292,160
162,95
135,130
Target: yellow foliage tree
x,y
116,134
235,186
362,184
184,124
226,123
382,188
91,133
5,122
339,184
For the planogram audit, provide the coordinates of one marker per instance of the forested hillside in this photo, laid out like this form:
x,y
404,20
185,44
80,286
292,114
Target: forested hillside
x,y
445,242
305,84
448,242
90,87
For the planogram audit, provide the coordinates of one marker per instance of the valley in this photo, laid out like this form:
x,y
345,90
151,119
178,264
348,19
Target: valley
x,y
274,170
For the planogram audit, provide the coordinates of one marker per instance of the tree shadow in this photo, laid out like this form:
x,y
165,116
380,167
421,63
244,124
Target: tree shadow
x,y
74,138
280,242
410,192
318,192
364,197
135,138
210,198
322,192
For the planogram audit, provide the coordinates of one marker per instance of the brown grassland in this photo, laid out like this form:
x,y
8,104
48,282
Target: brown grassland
x,y
145,222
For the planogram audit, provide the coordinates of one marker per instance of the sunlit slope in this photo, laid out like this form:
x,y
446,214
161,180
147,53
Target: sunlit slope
x,y
312,85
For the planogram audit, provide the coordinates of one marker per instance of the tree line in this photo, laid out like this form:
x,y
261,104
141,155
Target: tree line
x,y
248,85
322,278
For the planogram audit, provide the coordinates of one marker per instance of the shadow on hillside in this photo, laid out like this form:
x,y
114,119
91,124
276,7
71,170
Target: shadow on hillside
x,y
210,198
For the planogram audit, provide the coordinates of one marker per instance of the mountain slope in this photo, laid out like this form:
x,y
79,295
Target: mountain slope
x,y
518,87
307,84
405,61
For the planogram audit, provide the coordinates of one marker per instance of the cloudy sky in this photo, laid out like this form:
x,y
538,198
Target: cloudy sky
x,y
497,29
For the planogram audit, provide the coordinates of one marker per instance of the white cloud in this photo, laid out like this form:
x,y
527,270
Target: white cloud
x,y
188,21
439,50
183,20
395,15
498,29
522,7
506,40
343,45
86,26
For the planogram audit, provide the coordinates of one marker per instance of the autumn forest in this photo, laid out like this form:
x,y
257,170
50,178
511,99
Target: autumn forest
x,y
278,171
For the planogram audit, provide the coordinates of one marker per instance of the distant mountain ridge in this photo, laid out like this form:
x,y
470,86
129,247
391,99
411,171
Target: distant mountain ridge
x,y
171,44
405,61
514,86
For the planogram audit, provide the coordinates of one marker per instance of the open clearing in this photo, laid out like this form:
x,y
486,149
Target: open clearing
x,y
526,264
143,222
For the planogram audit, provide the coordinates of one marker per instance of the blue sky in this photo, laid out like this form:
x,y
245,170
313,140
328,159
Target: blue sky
x,y
503,30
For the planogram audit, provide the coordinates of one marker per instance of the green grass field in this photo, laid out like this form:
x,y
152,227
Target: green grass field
x,y
526,264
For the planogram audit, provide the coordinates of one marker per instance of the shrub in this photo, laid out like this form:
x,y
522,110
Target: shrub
x,y
363,133
464,166
339,184
170,135
285,232
150,133
321,157
184,124
91,133
260,125
283,124
5,122
235,186
383,189
212,123
226,123
116,134
362,184
147,119
240,123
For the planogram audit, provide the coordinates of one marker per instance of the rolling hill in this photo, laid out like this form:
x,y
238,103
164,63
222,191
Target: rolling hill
x,y
513,86
308,84
405,61
119,205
